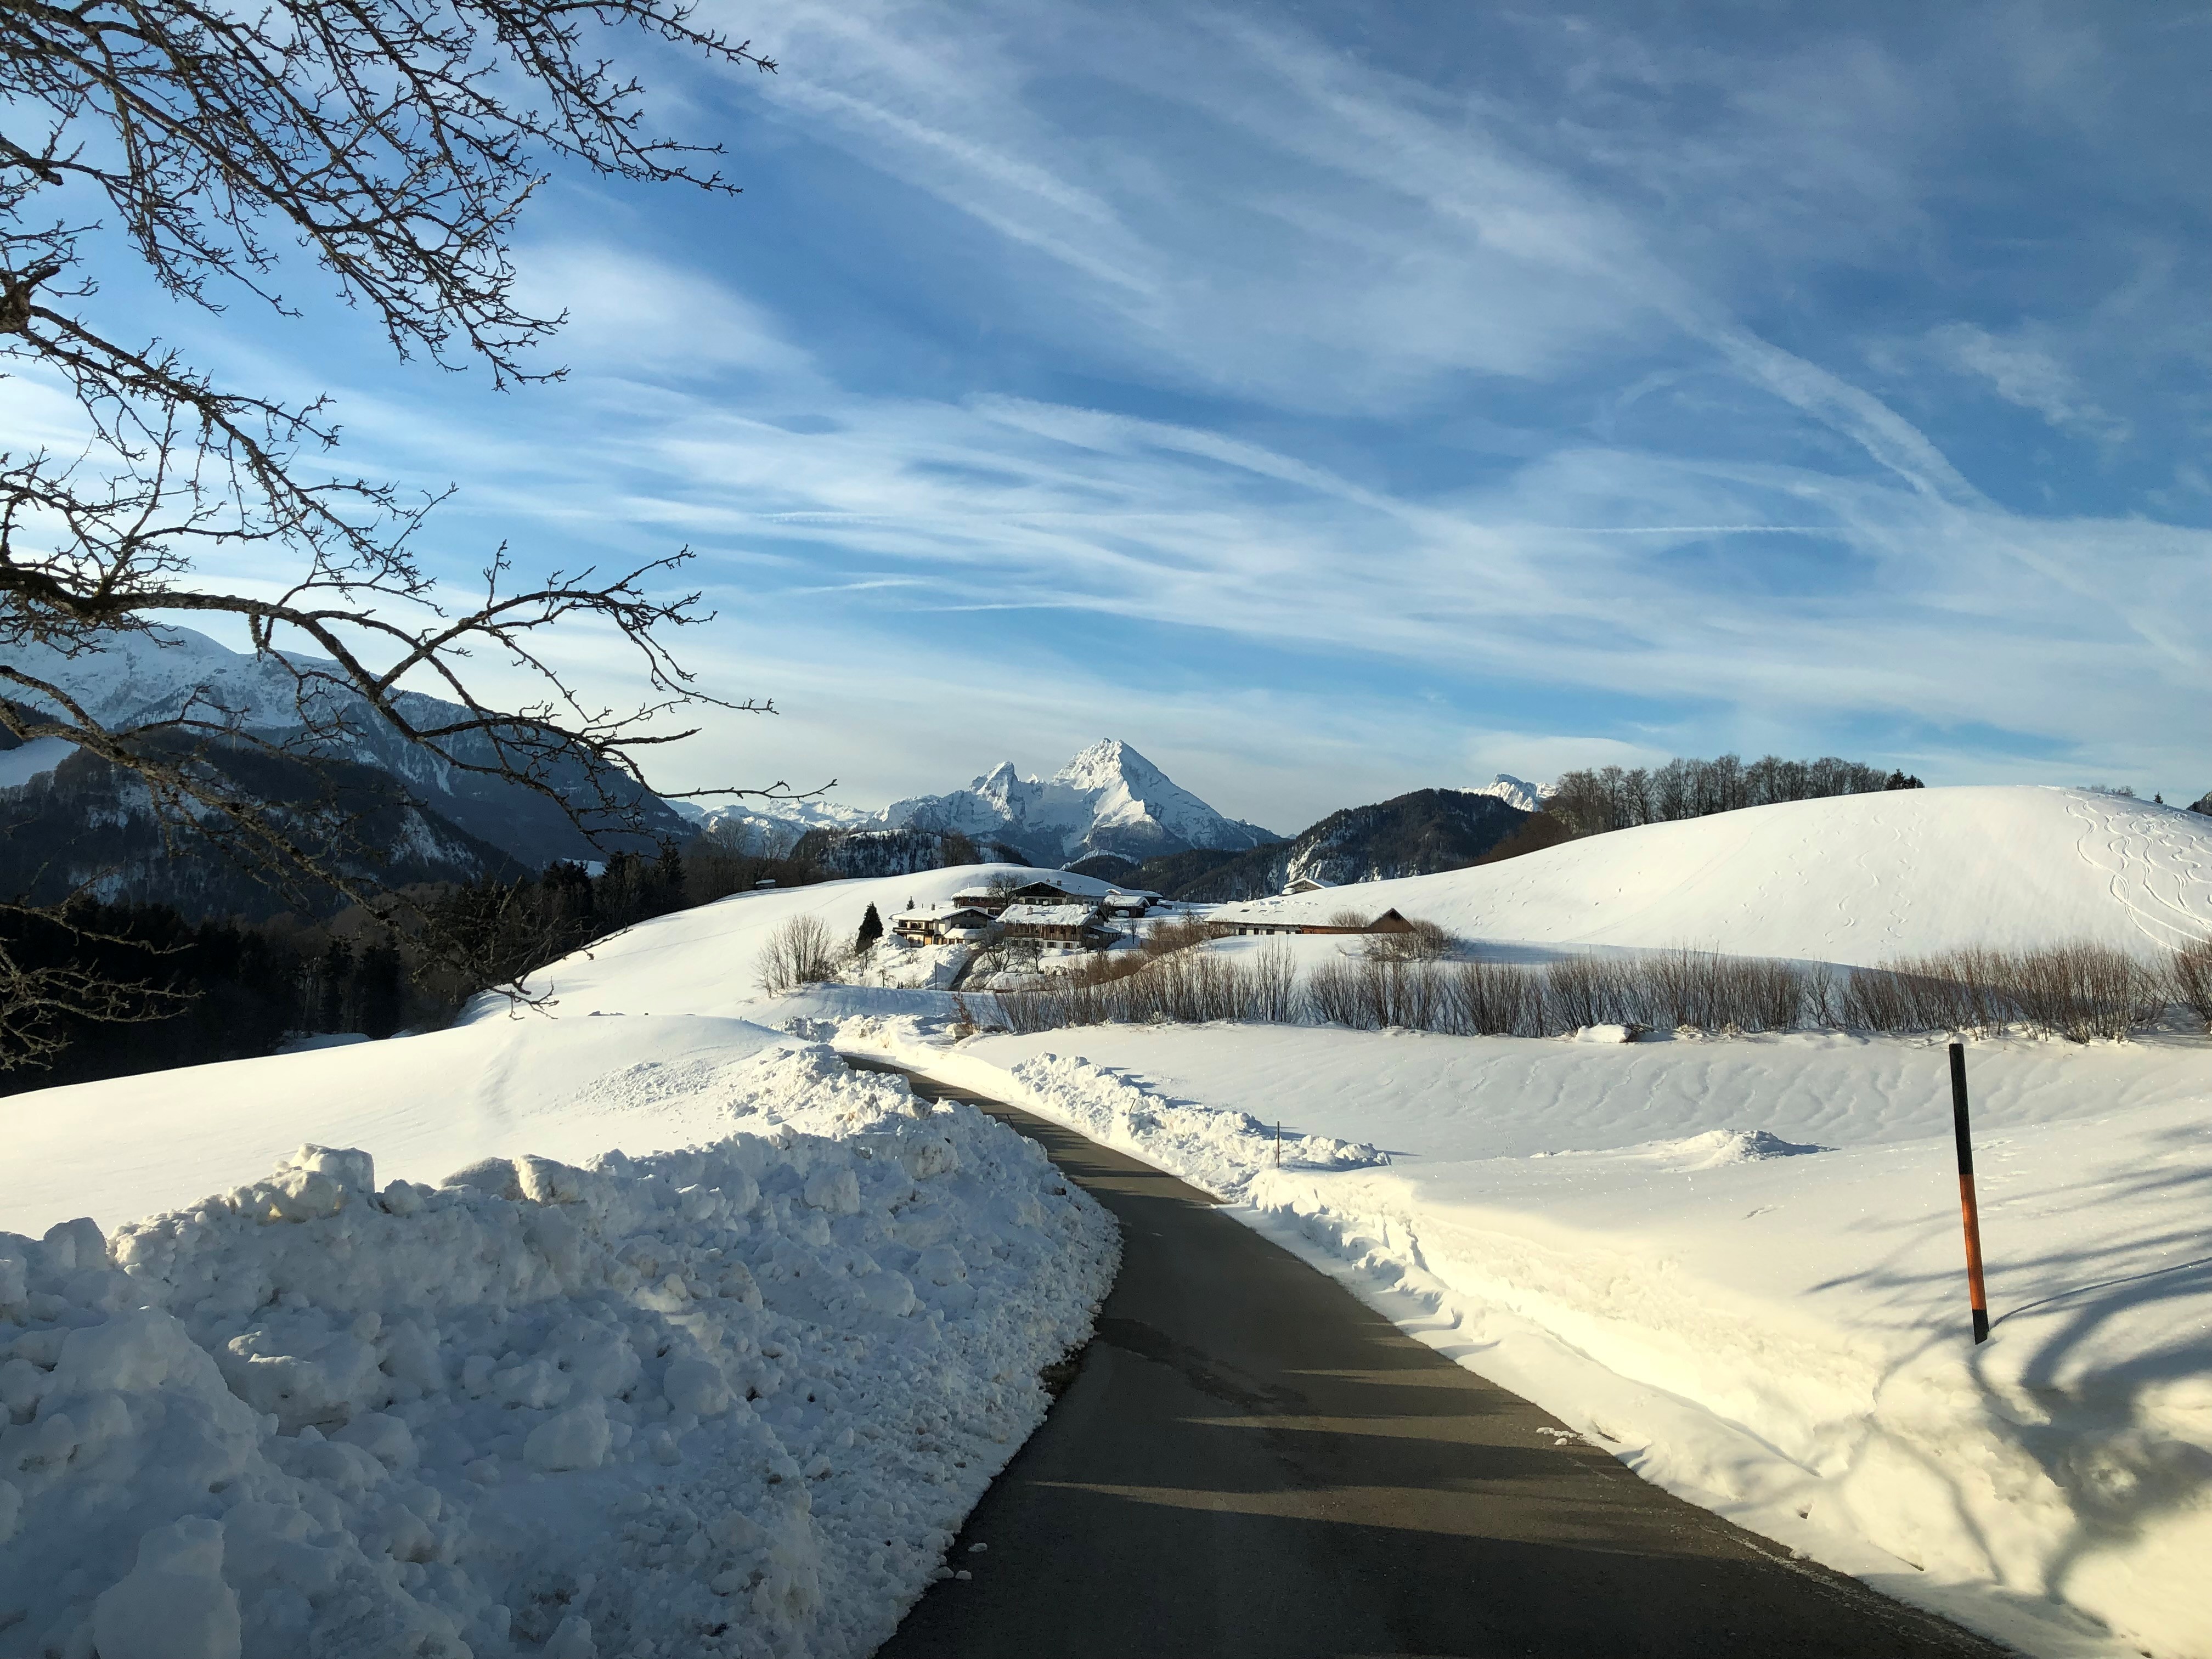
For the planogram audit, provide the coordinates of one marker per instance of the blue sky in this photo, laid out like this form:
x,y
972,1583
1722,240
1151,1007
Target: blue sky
x,y
1337,400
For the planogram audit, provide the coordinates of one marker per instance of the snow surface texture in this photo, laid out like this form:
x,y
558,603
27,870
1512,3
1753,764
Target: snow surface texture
x,y
1737,1265
727,1400
1853,880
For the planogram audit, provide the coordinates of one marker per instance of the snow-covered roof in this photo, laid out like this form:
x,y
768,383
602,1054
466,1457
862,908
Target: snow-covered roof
x,y
1130,896
936,913
1047,916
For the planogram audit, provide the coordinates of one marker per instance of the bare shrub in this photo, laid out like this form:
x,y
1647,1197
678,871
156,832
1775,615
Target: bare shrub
x,y
1368,993
1822,995
1404,993
1275,997
1334,990
1580,991
1876,999
1347,919
1184,987
1179,934
2076,990
1492,999
800,951
2189,979
2080,990
1420,941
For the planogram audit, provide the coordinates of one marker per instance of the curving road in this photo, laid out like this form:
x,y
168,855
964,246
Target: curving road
x,y
1250,1463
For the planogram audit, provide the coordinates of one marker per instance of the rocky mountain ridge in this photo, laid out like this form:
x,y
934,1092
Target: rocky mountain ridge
x,y
1109,799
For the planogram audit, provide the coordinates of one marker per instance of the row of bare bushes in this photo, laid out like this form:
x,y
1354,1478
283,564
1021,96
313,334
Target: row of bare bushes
x,y
2077,992
1181,988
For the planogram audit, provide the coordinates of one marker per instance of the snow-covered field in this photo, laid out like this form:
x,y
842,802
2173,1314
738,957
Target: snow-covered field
x,y
1735,1263
728,1400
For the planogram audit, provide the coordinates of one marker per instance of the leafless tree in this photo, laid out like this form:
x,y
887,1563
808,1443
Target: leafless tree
x,y
393,143
799,951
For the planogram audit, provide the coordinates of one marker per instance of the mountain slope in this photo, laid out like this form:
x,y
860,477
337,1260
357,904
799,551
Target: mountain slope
x,y
1415,833
85,823
138,678
1851,879
1109,799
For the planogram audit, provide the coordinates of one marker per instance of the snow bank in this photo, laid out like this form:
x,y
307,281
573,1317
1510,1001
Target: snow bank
x,y
127,1147
1219,1150
1737,1266
727,1400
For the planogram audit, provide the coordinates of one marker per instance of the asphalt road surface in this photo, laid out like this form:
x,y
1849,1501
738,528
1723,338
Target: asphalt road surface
x,y
1249,1464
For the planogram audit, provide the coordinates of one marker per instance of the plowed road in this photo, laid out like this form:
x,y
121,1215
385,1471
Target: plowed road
x,y
1250,1462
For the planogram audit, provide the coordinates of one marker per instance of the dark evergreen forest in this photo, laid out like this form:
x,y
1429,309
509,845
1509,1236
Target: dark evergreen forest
x,y
231,988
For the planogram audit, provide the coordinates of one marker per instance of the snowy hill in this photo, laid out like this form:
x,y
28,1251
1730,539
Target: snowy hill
x,y
1852,879
1109,798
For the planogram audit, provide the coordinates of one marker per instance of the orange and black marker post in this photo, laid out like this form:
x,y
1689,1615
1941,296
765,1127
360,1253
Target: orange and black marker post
x,y
1967,1207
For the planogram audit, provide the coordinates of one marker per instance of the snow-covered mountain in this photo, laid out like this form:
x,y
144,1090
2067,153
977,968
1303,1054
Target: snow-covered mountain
x,y
1517,791
142,677
770,828
1109,798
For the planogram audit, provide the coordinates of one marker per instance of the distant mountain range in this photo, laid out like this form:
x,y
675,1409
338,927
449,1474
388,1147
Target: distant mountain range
x,y
1108,799
1109,810
1111,813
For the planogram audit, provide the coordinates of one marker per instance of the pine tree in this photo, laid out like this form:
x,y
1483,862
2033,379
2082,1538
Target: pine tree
x,y
332,978
669,872
377,995
872,928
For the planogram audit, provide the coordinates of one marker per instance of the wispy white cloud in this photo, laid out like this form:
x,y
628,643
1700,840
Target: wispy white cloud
x,y
2026,374
1213,490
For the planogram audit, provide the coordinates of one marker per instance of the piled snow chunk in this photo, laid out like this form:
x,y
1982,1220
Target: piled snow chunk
x,y
717,1401
1221,1151
1718,1148
174,1604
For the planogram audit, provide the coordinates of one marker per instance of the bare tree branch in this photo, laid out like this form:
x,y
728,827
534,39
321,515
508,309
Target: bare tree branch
x,y
394,142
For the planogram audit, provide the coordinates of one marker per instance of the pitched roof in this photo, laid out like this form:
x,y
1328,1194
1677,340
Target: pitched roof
x,y
1047,916
936,913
